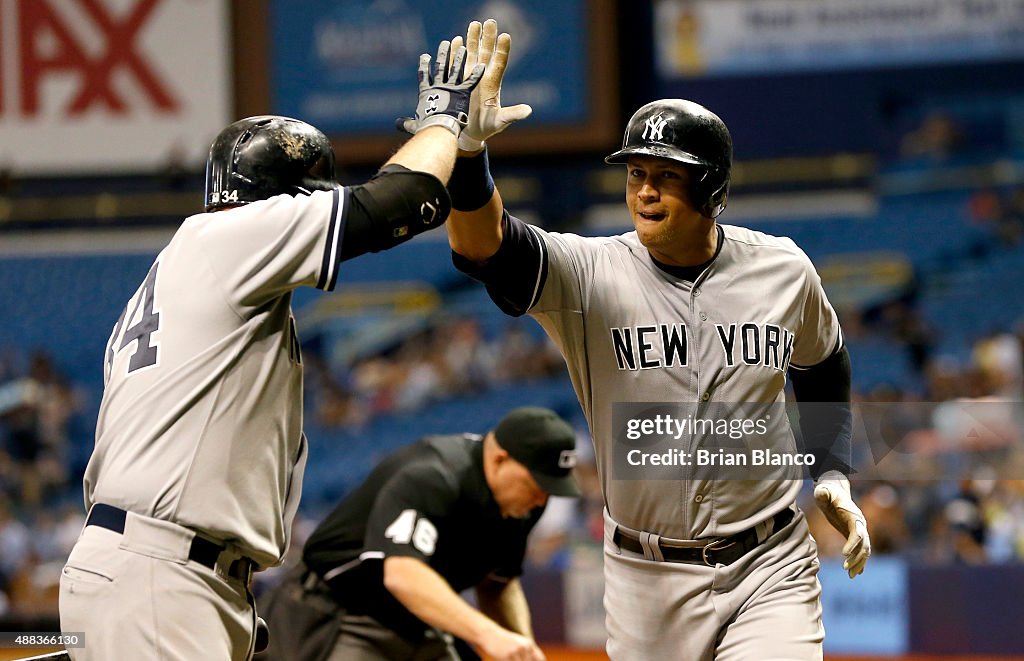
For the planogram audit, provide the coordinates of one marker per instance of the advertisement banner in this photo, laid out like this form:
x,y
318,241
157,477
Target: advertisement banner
x,y
350,67
584,599
92,86
731,37
869,615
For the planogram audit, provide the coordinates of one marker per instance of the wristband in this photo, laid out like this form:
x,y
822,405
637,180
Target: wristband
x,y
471,185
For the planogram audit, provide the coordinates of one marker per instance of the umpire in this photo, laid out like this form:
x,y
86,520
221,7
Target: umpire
x,y
381,575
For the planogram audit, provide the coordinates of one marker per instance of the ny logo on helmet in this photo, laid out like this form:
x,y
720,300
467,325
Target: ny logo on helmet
x,y
654,125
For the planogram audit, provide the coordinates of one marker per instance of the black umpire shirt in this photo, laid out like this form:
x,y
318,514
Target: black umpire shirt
x,y
430,501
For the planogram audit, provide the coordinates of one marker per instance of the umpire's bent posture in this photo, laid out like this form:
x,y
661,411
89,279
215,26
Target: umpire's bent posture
x,y
382,572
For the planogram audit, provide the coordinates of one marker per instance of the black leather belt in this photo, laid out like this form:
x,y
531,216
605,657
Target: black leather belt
x,y
721,550
202,550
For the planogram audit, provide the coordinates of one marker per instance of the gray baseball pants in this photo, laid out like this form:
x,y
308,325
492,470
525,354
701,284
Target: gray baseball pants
x,y
765,605
136,595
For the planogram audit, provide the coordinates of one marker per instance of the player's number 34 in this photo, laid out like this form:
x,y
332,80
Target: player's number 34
x,y
141,330
221,197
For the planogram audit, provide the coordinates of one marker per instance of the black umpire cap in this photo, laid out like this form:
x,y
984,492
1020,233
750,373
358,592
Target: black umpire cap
x,y
540,440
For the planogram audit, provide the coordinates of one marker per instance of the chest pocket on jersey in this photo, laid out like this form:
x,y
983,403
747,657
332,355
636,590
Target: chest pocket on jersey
x,y
294,349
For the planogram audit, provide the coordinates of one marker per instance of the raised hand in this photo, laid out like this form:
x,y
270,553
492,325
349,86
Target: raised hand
x,y
486,116
444,95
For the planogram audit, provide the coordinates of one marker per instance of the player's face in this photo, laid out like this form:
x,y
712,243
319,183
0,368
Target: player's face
x,y
657,194
515,490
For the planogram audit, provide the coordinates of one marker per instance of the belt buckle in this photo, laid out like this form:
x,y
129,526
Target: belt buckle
x,y
719,544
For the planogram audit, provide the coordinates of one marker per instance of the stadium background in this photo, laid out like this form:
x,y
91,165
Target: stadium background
x,y
885,136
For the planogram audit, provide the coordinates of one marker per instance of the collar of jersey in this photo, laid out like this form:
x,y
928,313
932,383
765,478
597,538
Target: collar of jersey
x,y
691,273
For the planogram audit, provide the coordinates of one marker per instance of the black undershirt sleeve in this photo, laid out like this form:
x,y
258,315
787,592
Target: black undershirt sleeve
x,y
515,275
392,208
356,240
826,421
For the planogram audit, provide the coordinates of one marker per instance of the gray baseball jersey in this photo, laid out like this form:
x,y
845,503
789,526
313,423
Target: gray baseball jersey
x,y
201,418
630,332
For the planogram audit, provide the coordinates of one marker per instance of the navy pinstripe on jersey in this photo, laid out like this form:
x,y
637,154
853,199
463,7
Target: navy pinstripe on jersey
x,y
335,232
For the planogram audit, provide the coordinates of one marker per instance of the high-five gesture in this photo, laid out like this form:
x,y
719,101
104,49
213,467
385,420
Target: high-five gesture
x,y
486,116
444,95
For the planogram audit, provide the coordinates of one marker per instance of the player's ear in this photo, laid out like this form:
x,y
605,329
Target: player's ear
x,y
494,454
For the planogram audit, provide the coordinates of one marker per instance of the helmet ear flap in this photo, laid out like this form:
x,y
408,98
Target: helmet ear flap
x,y
710,193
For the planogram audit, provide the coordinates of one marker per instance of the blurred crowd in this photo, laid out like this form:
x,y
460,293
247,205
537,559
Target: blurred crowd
x,y
449,358
40,491
1000,213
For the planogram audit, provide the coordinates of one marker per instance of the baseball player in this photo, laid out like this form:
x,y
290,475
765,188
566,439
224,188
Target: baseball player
x,y
197,469
382,573
681,309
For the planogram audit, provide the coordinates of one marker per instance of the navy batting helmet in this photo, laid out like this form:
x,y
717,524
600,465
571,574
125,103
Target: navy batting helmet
x,y
259,157
689,133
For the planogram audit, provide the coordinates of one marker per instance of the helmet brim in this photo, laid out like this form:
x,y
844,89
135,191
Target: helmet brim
x,y
659,151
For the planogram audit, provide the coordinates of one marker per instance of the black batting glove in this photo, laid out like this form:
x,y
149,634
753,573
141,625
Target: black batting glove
x,y
444,96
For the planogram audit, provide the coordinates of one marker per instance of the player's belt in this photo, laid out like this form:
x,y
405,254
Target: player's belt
x,y
720,550
201,550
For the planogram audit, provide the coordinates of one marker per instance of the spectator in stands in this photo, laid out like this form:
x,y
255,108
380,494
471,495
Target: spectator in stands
x,y
942,379
58,403
887,523
999,358
375,381
34,415
331,399
1005,516
21,442
936,138
421,381
568,522
923,504
522,356
965,523
550,542
450,358
15,546
1000,216
468,359
908,328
